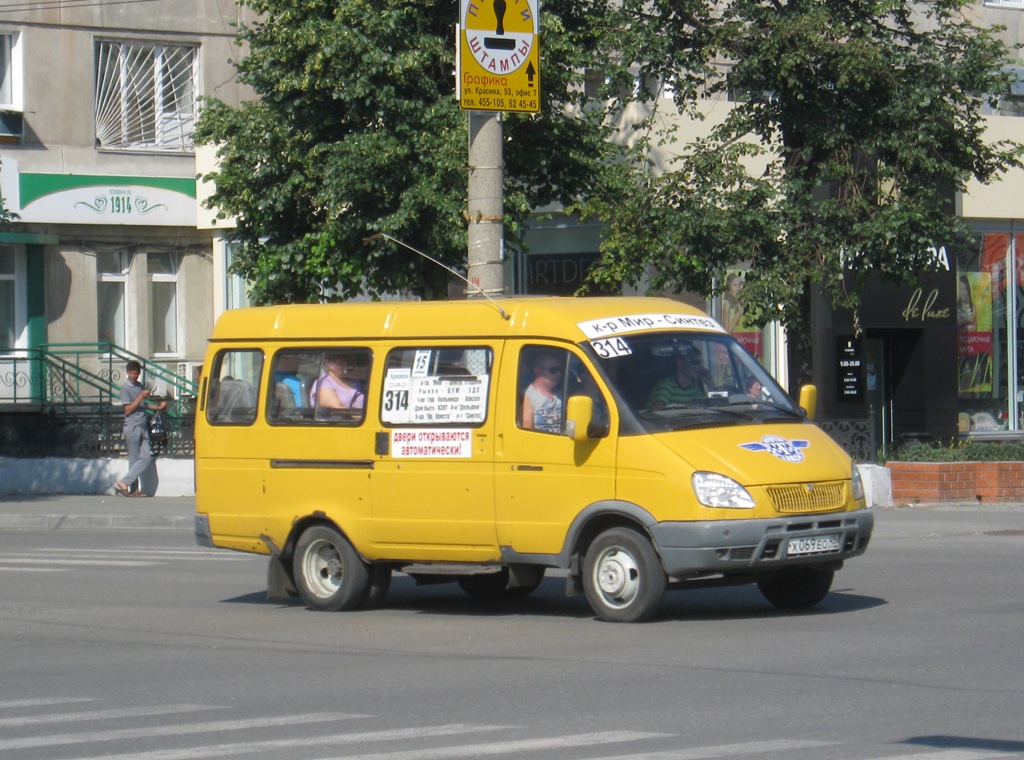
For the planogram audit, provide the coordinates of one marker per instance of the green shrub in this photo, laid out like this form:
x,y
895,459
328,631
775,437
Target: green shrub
x,y
959,451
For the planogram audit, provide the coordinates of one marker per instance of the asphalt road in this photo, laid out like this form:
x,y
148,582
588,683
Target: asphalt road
x,y
135,643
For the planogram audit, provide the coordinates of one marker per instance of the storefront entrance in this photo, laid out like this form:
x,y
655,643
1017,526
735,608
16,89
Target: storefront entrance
x,y
900,374
895,386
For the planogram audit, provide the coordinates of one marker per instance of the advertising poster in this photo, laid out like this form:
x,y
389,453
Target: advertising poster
x,y
733,317
974,332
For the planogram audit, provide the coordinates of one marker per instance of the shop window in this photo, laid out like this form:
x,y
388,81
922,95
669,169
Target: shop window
x,y
111,297
162,268
986,365
729,310
145,96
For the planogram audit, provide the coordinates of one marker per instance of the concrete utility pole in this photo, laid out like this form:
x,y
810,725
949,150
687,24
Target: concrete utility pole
x,y
486,212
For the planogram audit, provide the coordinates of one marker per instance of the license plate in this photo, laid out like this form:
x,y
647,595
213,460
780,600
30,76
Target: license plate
x,y
814,545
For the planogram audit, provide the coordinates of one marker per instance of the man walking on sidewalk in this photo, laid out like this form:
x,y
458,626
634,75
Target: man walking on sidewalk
x,y
136,430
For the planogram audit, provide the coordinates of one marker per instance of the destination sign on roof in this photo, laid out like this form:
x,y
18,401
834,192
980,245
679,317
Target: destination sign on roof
x,y
619,325
499,55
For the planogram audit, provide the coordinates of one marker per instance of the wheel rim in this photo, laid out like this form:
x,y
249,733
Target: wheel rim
x,y
323,568
617,577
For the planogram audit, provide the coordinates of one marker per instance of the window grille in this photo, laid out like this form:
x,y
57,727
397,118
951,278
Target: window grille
x,y
145,96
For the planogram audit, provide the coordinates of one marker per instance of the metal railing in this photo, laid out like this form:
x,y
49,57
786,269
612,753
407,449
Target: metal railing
x,y
64,400
855,435
57,374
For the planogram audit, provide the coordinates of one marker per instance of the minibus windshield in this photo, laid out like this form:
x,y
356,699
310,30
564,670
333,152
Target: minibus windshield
x,y
680,379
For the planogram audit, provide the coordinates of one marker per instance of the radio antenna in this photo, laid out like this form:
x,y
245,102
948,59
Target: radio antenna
x,y
428,257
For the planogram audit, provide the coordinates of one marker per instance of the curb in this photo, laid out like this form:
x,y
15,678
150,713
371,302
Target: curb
x,y
95,522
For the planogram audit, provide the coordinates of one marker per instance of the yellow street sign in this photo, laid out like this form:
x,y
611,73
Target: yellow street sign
x,y
499,55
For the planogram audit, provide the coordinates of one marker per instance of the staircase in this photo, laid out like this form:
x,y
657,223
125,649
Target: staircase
x,y
63,399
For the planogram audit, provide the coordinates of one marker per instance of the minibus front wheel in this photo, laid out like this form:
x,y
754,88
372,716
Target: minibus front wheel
x,y
622,576
329,574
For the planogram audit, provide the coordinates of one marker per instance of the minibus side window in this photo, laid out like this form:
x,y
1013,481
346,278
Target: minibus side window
x,y
292,374
543,382
337,389
436,385
233,387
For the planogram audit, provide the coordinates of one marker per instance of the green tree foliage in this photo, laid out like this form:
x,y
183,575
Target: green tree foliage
x,y
6,217
859,119
356,130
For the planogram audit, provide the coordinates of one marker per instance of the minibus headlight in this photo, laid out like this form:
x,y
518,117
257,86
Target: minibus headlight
x,y
714,490
857,483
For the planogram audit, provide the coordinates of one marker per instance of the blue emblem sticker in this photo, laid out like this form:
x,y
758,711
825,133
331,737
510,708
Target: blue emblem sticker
x,y
781,448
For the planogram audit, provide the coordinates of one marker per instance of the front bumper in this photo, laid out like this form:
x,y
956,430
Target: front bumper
x,y
736,546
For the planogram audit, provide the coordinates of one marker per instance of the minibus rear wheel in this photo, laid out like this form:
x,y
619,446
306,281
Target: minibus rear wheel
x,y
796,588
622,576
329,575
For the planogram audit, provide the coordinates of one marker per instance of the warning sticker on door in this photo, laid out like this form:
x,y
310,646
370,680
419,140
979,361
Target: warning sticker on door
x,y
435,443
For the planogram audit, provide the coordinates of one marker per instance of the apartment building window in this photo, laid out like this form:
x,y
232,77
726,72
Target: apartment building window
x,y
7,284
6,70
163,301
235,293
145,96
10,72
111,297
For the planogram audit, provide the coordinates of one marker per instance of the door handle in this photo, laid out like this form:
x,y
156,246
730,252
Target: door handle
x,y
528,467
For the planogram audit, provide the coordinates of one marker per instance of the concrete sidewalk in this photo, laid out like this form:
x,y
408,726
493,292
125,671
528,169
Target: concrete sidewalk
x,y
89,512
56,475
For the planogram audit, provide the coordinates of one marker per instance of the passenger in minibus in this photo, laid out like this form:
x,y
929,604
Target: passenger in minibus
x,y
332,389
542,404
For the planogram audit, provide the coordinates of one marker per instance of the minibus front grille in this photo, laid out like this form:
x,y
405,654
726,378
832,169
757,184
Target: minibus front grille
x,y
807,497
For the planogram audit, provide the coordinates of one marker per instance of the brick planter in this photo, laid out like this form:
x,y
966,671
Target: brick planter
x,y
957,481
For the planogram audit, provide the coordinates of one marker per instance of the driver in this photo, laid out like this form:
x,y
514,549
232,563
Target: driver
x,y
688,383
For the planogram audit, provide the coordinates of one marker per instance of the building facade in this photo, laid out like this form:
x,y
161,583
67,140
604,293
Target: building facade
x,y
939,359
110,245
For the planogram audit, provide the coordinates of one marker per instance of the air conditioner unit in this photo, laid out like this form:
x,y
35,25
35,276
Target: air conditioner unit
x,y
12,125
189,370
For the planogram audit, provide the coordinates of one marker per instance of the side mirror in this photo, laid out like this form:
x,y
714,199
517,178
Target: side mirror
x,y
579,413
809,400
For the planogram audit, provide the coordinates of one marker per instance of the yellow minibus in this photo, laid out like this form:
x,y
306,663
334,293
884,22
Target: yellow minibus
x,y
629,443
